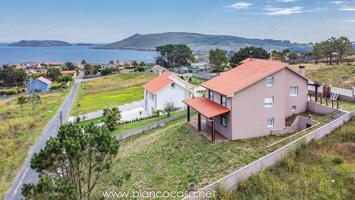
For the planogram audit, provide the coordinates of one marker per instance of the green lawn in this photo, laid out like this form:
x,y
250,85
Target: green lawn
x,y
110,91
324,169
170,157
342,75
19,131
196,81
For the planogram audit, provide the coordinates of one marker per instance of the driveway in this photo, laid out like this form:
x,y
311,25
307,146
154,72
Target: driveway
x,y
129,111
26,174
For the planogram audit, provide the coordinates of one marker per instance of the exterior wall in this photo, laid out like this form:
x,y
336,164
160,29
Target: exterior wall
x,y
225,131
249,116
149,102
172,94
43,87
299,101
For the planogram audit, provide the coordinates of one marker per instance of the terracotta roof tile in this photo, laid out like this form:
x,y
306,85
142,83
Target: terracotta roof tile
x,y
44,80
244,75
158,83
206,107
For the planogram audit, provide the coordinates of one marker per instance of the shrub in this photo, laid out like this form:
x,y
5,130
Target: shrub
x,y
2,92
11,91
140,69
58,86
338,160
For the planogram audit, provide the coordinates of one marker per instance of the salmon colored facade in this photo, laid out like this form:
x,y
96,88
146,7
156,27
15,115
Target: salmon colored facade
x,y
260,105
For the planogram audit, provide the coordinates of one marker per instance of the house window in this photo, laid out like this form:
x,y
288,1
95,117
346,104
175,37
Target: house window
x,y
223,101
210,95
293,109
270,81
269,102
224,121
270,122
294,91
173,85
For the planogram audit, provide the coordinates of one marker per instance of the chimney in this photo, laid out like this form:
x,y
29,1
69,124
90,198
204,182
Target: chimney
x,y
302,70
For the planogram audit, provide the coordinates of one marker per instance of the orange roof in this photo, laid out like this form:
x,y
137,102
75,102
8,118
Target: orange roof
x,y
206,107
44,80
68,72
158,83
244,75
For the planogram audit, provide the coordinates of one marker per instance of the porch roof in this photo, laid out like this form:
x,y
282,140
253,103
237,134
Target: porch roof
x,y
206,107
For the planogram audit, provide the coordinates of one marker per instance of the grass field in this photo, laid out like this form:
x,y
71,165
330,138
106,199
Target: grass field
x,y
19,130
110,91
170,157
342,75
324,169
196,81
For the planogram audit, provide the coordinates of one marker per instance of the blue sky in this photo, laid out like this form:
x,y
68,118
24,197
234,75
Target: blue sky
x,y
112,20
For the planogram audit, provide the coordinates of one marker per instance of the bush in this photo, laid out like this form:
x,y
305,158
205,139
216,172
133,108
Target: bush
x,y
11,91
140,69
58,86
338,160
65,78
2,92
107,71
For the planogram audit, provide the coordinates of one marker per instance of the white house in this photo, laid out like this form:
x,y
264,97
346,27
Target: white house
x,y
165,88
157,69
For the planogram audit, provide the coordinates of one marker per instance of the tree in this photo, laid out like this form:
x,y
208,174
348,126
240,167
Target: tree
x,y
169,107
69,66
10,76
342,46
319,51
54,74
21,100
218,59
83,62
112,118
174,55
247,52
71,163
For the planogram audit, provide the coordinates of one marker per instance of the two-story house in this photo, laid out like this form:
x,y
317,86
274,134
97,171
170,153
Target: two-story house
x,y
166,88
251,100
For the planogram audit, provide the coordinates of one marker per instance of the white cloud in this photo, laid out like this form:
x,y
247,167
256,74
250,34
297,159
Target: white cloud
x,y
240,5
285,1
348,20
338,2
347,8
283,11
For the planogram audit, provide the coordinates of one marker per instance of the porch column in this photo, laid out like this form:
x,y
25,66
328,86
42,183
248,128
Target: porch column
x,y
188,113
213,131
199,121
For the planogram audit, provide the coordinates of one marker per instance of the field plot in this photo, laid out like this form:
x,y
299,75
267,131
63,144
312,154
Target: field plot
x,y
110,91
19,129
324,169
170,157
342,75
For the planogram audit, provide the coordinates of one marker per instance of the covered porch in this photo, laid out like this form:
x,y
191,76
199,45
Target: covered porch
x,y
210,110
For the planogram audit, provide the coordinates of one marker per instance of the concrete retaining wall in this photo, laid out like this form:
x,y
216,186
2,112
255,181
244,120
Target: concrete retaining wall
x,y
137,131
232,180
318,108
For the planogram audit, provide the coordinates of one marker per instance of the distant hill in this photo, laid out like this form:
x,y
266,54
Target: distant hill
x,y
201,42
39,43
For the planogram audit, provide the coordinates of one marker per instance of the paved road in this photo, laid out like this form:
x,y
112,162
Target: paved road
x,y
26,174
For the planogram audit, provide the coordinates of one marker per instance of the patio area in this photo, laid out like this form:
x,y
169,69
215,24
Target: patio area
x,y
206,130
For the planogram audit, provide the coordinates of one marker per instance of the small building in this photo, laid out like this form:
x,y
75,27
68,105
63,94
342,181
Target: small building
x,y
157,69
71,73
164,89
251,100
41,84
